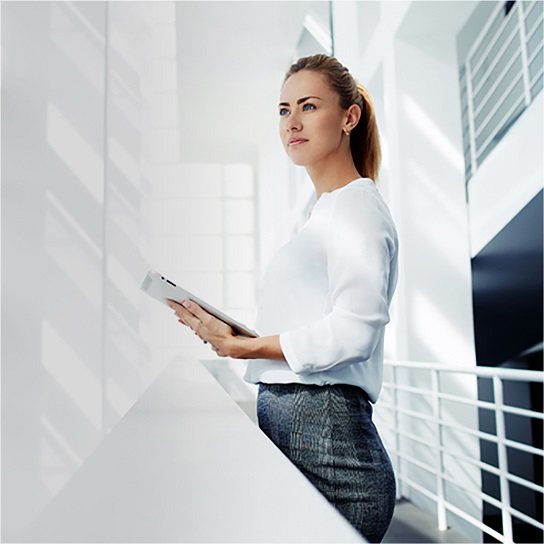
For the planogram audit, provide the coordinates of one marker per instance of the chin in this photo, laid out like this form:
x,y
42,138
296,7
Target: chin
x,y
298,159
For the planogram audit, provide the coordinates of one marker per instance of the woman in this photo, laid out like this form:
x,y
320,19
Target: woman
x,y
324,302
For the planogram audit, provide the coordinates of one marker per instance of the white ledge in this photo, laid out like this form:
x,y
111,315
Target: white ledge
x,y
187,465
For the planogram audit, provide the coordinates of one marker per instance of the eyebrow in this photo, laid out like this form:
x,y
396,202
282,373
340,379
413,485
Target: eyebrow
x,y
300,100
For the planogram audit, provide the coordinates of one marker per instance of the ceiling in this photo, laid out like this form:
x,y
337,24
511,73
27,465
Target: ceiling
x,y
231,60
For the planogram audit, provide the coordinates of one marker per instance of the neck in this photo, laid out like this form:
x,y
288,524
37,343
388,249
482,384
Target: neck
x,y
327,178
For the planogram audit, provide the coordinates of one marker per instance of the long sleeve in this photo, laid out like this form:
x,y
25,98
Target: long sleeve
x,y
361,243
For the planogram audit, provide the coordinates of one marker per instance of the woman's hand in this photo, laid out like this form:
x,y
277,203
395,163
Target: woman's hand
x,y
207,327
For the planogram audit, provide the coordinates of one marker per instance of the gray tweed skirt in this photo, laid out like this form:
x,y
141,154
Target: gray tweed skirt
x,y
328,433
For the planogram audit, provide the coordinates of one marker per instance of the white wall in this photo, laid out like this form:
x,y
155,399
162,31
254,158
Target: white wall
x,y
81,85
511,175
52,234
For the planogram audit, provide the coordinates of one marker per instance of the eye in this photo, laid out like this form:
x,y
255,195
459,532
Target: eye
x,y
283,111
308,107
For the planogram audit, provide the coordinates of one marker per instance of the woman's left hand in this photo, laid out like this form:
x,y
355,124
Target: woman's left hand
x,y
207,327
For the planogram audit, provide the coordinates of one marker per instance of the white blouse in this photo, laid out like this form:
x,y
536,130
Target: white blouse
x,y
327,294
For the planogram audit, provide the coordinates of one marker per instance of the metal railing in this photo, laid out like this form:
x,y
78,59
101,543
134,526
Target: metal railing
x,y
501,75
402,423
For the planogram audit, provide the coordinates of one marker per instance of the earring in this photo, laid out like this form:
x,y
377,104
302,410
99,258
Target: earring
x,y
346,132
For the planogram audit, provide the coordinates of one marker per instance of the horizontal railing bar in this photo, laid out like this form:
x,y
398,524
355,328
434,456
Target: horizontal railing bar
x,y
432,419
472,402
523,447
484,31
531,414
472,432
418,487
494,110
513,374
491,90
454,509
494,470
535,54
528,9
507,42
471,491
418,439
415,462
475,493
464,400
538,74
530,33
490,138
411,462
495,502
477,523
526,518
491,44
475,462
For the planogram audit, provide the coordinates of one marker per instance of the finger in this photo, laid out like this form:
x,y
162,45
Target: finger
x,y
179,310
173,304
185,316
195,309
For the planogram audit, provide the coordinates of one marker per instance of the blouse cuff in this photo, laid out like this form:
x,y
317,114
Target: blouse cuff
x,y
289,354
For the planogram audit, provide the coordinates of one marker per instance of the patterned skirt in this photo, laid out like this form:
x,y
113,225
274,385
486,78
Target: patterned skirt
x,y
328,433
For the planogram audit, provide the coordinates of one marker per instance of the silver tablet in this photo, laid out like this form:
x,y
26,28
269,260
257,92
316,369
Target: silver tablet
x,y
161,288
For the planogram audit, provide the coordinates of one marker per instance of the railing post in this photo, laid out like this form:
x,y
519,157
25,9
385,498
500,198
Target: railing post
x,y
397,435
503,460
441,500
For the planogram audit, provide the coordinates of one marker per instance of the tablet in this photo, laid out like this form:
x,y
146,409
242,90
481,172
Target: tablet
x,y
161,288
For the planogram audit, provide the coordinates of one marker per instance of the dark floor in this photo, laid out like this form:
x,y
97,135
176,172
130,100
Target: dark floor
x,y
411,524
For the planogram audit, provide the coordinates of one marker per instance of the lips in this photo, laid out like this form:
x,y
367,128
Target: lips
x,y
292,142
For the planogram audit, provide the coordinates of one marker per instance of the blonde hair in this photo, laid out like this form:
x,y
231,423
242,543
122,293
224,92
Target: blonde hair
x,y
364,139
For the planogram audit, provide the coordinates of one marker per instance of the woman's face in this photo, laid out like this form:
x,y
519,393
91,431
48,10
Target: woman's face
x,y
311,119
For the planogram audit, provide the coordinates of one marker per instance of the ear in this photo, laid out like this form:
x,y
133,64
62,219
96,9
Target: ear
x,y
352,117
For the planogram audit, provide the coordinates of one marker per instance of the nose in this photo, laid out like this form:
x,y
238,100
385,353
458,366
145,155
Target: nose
x,y
293,123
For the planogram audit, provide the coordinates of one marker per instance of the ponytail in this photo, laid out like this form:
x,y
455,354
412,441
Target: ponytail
x,y
365,138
